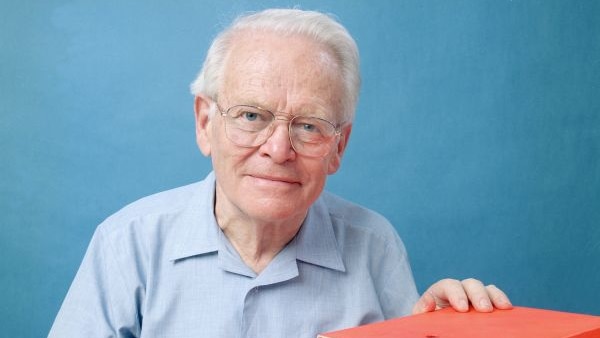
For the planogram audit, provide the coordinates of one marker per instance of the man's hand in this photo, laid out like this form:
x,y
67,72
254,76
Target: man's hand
x,y
459,294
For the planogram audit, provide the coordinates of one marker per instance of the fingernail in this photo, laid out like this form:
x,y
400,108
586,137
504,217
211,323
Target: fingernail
x,y
484,303
463,305
506,302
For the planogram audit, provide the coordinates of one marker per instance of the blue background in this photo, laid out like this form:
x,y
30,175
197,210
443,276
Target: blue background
x,y
477,134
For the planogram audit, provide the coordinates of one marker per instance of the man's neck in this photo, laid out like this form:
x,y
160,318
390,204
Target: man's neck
x,y
257,243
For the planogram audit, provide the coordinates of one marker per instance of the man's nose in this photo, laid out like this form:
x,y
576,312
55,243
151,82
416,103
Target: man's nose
x,y
279,146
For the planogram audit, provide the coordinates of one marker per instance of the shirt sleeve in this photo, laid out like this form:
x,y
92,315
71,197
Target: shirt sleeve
x,y
101,302
398,293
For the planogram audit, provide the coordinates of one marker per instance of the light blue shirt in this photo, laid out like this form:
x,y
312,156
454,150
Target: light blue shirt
x,y
161,267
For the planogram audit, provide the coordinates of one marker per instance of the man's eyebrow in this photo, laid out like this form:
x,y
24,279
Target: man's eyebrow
x,y
308,110
236,101
322,113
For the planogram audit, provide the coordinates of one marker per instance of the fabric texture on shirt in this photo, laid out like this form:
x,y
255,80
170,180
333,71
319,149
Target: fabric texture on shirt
x,y
162,267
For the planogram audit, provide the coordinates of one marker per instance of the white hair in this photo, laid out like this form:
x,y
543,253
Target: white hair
x,y
318,26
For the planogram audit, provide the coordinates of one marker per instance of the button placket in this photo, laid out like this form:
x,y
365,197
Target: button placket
x,y
249,309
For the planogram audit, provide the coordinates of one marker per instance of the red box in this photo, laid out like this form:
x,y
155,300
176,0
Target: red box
x,y
519,322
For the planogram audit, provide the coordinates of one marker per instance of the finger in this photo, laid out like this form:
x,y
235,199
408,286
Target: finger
x,y
498,297
478,295
450,291
425,304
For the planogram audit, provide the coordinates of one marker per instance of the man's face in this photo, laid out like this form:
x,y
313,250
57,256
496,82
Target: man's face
x,y
288,76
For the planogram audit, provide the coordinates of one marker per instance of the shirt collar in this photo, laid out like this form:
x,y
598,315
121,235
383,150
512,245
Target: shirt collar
x,y
316,242
197,231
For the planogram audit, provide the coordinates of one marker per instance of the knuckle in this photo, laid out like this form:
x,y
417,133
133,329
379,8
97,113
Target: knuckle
x,y
470,281
446,281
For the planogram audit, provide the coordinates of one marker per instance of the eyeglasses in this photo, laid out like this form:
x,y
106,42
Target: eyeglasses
x,y
250,126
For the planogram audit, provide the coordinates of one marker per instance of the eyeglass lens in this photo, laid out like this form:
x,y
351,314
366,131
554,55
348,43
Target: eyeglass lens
x,y
250,126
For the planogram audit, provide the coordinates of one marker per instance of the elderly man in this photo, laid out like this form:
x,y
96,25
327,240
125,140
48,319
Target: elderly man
x,y
257,248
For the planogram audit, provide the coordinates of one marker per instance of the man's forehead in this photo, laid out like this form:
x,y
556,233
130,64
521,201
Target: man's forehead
x,y
264,67
260,46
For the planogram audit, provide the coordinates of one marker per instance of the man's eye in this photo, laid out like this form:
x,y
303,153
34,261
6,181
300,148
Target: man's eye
x,y
309,127
250,116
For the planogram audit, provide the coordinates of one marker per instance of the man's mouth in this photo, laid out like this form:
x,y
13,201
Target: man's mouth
x,y
275,179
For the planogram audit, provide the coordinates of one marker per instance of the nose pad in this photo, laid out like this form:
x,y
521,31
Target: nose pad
x,y
288,124
279,144
281,131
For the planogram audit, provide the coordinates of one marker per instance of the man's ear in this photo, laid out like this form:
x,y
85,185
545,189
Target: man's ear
x,y
336,160
202,110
